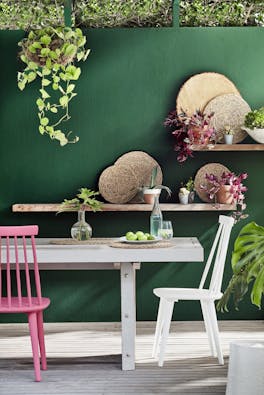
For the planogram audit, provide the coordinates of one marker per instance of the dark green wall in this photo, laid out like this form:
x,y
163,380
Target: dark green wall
x,y
128,84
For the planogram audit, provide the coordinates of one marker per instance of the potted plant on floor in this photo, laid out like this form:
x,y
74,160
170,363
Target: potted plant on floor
x,y
254,125
190,131
81,230
152,190
50,54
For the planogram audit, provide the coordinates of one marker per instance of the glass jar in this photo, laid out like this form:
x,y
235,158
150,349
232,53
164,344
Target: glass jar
x,y
81,230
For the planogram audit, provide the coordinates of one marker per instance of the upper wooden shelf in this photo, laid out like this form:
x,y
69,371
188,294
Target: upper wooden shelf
x,y
230,147
54,207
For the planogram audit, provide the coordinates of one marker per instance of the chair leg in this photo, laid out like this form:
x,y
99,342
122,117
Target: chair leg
x,y
168,310
208,327
33,329
215,331
41,340
158,330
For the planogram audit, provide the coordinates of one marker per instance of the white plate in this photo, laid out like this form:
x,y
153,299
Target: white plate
x,y
124,240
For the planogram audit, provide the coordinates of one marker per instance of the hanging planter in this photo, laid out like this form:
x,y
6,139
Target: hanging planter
x,y
50,54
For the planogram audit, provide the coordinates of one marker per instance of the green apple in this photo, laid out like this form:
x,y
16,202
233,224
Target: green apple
x,y
131,236
139,234
142,237
150,237
147,234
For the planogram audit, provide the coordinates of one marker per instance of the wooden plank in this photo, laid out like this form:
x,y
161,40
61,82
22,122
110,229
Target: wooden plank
x,y
54,207
230,147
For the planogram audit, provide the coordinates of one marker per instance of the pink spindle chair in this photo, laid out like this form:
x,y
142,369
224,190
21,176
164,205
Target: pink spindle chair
x,y
20,289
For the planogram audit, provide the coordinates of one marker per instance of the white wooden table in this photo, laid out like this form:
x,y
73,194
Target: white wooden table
x,y
95,257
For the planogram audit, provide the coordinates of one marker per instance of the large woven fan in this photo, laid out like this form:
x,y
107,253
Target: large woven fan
x,y
198,90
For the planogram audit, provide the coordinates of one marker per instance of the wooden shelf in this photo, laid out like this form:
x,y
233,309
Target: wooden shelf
x,y
54,207
230,147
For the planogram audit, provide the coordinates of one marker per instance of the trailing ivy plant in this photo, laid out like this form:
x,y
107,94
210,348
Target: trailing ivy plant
x,y
247,266
31,14
50,54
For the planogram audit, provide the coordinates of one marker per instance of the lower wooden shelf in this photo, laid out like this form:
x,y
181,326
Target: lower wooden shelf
x,y
229,147
54,207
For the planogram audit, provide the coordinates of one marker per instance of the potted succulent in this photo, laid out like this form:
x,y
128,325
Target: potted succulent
x,y
81,230
226,189
254,125
228,135
50,54
247,266
187,192
189,131
152,190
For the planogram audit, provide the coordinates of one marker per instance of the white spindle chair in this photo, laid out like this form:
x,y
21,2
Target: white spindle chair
x,y
207,297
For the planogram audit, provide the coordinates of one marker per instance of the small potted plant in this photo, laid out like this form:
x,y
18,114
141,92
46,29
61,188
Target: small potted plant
x,y
254,124
228,135
152,190
226,189
189,131
81,230
187,192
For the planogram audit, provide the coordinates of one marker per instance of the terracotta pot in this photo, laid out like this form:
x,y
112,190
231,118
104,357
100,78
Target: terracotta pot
x,y
224,196
149,195
197,136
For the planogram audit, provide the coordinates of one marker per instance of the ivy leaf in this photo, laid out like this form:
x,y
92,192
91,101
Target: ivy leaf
x,y
31,76
70,88
45,82
46,71
41,129
44,94
54,110
45,52
55,87
21,85
64,101
44,121
40,104
70,50
46,40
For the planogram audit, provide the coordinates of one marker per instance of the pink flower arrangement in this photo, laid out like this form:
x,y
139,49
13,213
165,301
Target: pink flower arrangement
x,y
188,131
236,182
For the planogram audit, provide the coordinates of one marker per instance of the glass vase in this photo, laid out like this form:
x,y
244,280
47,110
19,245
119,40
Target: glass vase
x,y
81,230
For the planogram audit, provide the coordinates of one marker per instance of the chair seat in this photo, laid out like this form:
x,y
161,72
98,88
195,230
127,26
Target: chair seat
x,y
24,307
186,294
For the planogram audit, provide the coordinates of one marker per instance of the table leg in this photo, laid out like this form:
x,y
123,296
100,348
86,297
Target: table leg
x,y
128,315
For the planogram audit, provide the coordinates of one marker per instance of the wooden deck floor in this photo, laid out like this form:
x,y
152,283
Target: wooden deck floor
x,y
83,358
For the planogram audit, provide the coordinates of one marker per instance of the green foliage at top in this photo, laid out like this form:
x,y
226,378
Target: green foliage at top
x,y
31,14
50,54
85,198
255,119
128,13
247,266
222,13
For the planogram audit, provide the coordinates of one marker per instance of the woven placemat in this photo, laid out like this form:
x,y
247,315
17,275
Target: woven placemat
x,y
92,241
229,110
215,168
159,244
198,90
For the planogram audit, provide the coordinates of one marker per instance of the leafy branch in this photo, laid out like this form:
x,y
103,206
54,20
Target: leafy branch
x,y
85,198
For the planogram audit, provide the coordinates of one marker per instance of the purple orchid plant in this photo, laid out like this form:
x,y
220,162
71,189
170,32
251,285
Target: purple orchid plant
x,y
235,181
190,130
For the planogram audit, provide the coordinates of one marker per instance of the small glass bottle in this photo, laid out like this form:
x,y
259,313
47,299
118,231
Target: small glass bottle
x,y
81,230
155,218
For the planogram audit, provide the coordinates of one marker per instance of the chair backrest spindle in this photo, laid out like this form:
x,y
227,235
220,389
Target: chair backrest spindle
x,y
219,251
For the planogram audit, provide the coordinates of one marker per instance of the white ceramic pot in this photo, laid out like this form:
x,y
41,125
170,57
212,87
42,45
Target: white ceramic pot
x,y
228,138
184,198
256,134
149,195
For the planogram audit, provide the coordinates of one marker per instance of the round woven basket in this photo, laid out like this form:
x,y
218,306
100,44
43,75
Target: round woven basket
x,y
229,110
118,184
211,168
198,90
141,164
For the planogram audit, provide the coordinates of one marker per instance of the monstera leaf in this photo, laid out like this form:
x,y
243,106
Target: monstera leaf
x,y
247,265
